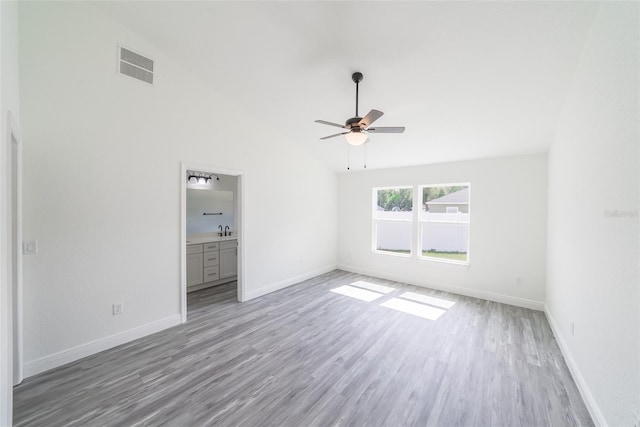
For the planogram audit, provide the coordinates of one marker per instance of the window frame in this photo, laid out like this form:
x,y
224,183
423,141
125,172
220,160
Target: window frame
x,y
375,221
416,223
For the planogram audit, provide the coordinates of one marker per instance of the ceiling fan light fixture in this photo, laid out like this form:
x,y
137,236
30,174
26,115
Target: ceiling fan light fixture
x,y
356,128
356,137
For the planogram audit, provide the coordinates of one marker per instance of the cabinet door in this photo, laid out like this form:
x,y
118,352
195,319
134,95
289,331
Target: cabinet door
x,y
194,249
228,244
211,274
194,269
213,246
228,262
211,259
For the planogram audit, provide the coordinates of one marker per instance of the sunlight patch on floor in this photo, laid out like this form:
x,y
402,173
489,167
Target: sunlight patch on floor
x,y
358,293
416,304
373,287
426,299
414,308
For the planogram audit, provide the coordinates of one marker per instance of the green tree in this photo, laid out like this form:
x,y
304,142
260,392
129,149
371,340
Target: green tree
x,y
400,199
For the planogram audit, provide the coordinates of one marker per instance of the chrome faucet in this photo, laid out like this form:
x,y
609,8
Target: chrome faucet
x,y
220,227
226,227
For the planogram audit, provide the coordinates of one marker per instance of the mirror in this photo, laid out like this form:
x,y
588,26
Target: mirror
x,y
214,202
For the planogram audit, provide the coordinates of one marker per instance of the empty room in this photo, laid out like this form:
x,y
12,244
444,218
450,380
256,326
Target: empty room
x,y
320,213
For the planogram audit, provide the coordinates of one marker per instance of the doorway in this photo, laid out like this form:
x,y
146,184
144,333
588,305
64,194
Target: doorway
x,y
231,214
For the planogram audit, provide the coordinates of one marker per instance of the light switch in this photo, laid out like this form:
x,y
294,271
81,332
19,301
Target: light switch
x,y
30,247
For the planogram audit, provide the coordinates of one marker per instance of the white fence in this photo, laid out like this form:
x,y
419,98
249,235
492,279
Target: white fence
x,y
394,235
444,237
449,236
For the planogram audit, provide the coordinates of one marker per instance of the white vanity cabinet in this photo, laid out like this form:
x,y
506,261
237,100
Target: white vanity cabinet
x,y
228,259
211,263
194,265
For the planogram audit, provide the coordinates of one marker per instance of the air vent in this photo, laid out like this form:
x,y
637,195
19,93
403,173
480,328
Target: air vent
x,y
135,65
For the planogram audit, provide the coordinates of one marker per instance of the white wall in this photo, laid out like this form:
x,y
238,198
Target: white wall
x,y
90,135
507,234
593,257
10,102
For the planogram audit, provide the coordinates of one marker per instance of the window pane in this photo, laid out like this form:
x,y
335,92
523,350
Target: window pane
x,y
445,241
444,217
445,203
394,203
393,236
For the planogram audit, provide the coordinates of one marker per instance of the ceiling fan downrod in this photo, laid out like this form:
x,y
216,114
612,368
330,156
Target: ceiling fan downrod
x,y
357,78
355,129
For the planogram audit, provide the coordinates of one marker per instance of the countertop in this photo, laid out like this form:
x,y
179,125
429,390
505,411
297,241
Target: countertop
x,y
208,238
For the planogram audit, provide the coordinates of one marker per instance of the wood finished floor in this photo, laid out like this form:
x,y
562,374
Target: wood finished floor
x,y
305,356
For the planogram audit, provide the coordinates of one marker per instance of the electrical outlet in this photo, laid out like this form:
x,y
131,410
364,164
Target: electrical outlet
x,y
519,281
117,308
30,247
573,328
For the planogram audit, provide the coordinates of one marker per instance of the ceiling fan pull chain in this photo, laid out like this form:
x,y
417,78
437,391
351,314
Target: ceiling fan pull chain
x,y
348,156
365,155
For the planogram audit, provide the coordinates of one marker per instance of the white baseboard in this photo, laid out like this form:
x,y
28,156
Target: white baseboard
x,y
55,360
489,296
585,392
287,282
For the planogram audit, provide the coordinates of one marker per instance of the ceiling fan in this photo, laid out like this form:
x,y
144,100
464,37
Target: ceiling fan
x,y
358,127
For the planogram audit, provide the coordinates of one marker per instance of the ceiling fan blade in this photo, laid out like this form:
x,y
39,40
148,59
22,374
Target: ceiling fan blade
x,y
324,122
334,135
371,117
399,129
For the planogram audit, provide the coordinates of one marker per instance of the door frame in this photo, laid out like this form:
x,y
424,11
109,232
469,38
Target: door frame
x,y
238,220
12,236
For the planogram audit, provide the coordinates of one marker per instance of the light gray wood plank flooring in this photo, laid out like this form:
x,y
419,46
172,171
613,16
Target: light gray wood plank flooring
x,y
306,356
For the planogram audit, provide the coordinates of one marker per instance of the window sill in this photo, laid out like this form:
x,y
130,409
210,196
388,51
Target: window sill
x,y
395,254
443,260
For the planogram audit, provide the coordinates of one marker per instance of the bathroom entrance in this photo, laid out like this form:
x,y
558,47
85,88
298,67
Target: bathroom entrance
x,y
211,231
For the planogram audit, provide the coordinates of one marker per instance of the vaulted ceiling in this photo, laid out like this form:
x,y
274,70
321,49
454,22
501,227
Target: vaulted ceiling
x,y
467,79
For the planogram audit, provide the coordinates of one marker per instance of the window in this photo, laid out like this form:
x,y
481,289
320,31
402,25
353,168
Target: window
x,y
444,222
439,231
393,220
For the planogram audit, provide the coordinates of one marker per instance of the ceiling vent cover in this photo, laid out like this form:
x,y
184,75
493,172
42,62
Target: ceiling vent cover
x,y
135,65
